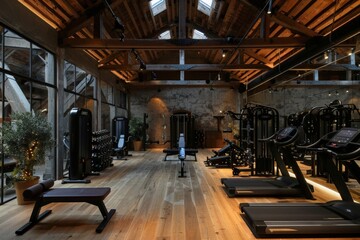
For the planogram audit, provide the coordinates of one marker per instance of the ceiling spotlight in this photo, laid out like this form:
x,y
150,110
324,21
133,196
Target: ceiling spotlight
x,y
270,7
153,75
326,55
142,66
118,26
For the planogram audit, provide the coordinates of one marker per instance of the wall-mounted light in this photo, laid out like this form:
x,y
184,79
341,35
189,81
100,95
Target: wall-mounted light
x,y
224,52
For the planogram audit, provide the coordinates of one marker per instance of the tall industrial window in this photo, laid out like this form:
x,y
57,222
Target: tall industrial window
x,y
27,77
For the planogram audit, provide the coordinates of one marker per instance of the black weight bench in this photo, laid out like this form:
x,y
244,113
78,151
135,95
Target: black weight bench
x,y
43,194
174,151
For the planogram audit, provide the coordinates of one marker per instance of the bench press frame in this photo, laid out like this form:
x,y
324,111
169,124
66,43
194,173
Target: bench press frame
x,y
68,196
174,151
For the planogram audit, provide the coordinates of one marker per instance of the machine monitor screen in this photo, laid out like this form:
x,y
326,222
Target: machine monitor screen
x,y
343,137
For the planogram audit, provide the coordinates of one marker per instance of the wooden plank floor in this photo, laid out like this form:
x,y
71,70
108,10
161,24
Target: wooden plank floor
x,y
151,202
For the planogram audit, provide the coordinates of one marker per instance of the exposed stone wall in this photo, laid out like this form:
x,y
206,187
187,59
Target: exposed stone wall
x,y
202,102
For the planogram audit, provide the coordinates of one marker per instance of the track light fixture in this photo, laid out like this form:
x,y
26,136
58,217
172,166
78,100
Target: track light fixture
x,y
142,66
270,7
119,27
138,58
326,55
153,75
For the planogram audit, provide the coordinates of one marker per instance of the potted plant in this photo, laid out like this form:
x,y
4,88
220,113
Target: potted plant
x,y
136,131
27,138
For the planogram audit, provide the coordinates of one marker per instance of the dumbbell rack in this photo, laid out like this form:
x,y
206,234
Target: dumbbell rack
x,y
101,150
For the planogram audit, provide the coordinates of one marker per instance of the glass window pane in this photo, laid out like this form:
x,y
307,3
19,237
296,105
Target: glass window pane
x,y
17,54
198,35
69,76
205,6
157,6
1,46
42,65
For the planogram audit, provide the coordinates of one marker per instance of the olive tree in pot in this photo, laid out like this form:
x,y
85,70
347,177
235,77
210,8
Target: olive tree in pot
x,y
27,138
136,130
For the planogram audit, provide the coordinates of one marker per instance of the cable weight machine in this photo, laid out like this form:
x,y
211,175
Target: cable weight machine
x,y
182,122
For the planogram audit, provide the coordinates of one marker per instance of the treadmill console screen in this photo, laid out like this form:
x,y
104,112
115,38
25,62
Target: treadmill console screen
x,y
286,134
343,137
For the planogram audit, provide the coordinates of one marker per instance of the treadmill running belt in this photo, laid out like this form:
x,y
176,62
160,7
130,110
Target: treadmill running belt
x,y
291,214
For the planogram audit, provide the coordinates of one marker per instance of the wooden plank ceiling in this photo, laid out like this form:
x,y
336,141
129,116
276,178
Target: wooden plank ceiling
x,y
255,42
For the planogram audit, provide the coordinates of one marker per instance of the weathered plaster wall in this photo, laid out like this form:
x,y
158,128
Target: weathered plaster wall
x,y
203,103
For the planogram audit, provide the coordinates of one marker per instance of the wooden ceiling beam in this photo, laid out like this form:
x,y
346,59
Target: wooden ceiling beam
x,y
80,22
293,25
258,57
187,44
187,83
186,67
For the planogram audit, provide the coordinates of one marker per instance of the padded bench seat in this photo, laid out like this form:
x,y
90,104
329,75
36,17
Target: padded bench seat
x,y
174,151
43,194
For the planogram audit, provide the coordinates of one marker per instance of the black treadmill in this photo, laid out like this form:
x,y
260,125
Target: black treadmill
x,y
338,217
284,185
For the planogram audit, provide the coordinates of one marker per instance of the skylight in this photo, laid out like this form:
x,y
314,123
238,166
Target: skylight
x,y
198,35
157,6
165,35
205,6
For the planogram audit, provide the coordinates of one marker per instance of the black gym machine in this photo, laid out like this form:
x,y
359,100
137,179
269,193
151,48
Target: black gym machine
x,y
256,122
320,121
229,156
80,136
337,217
